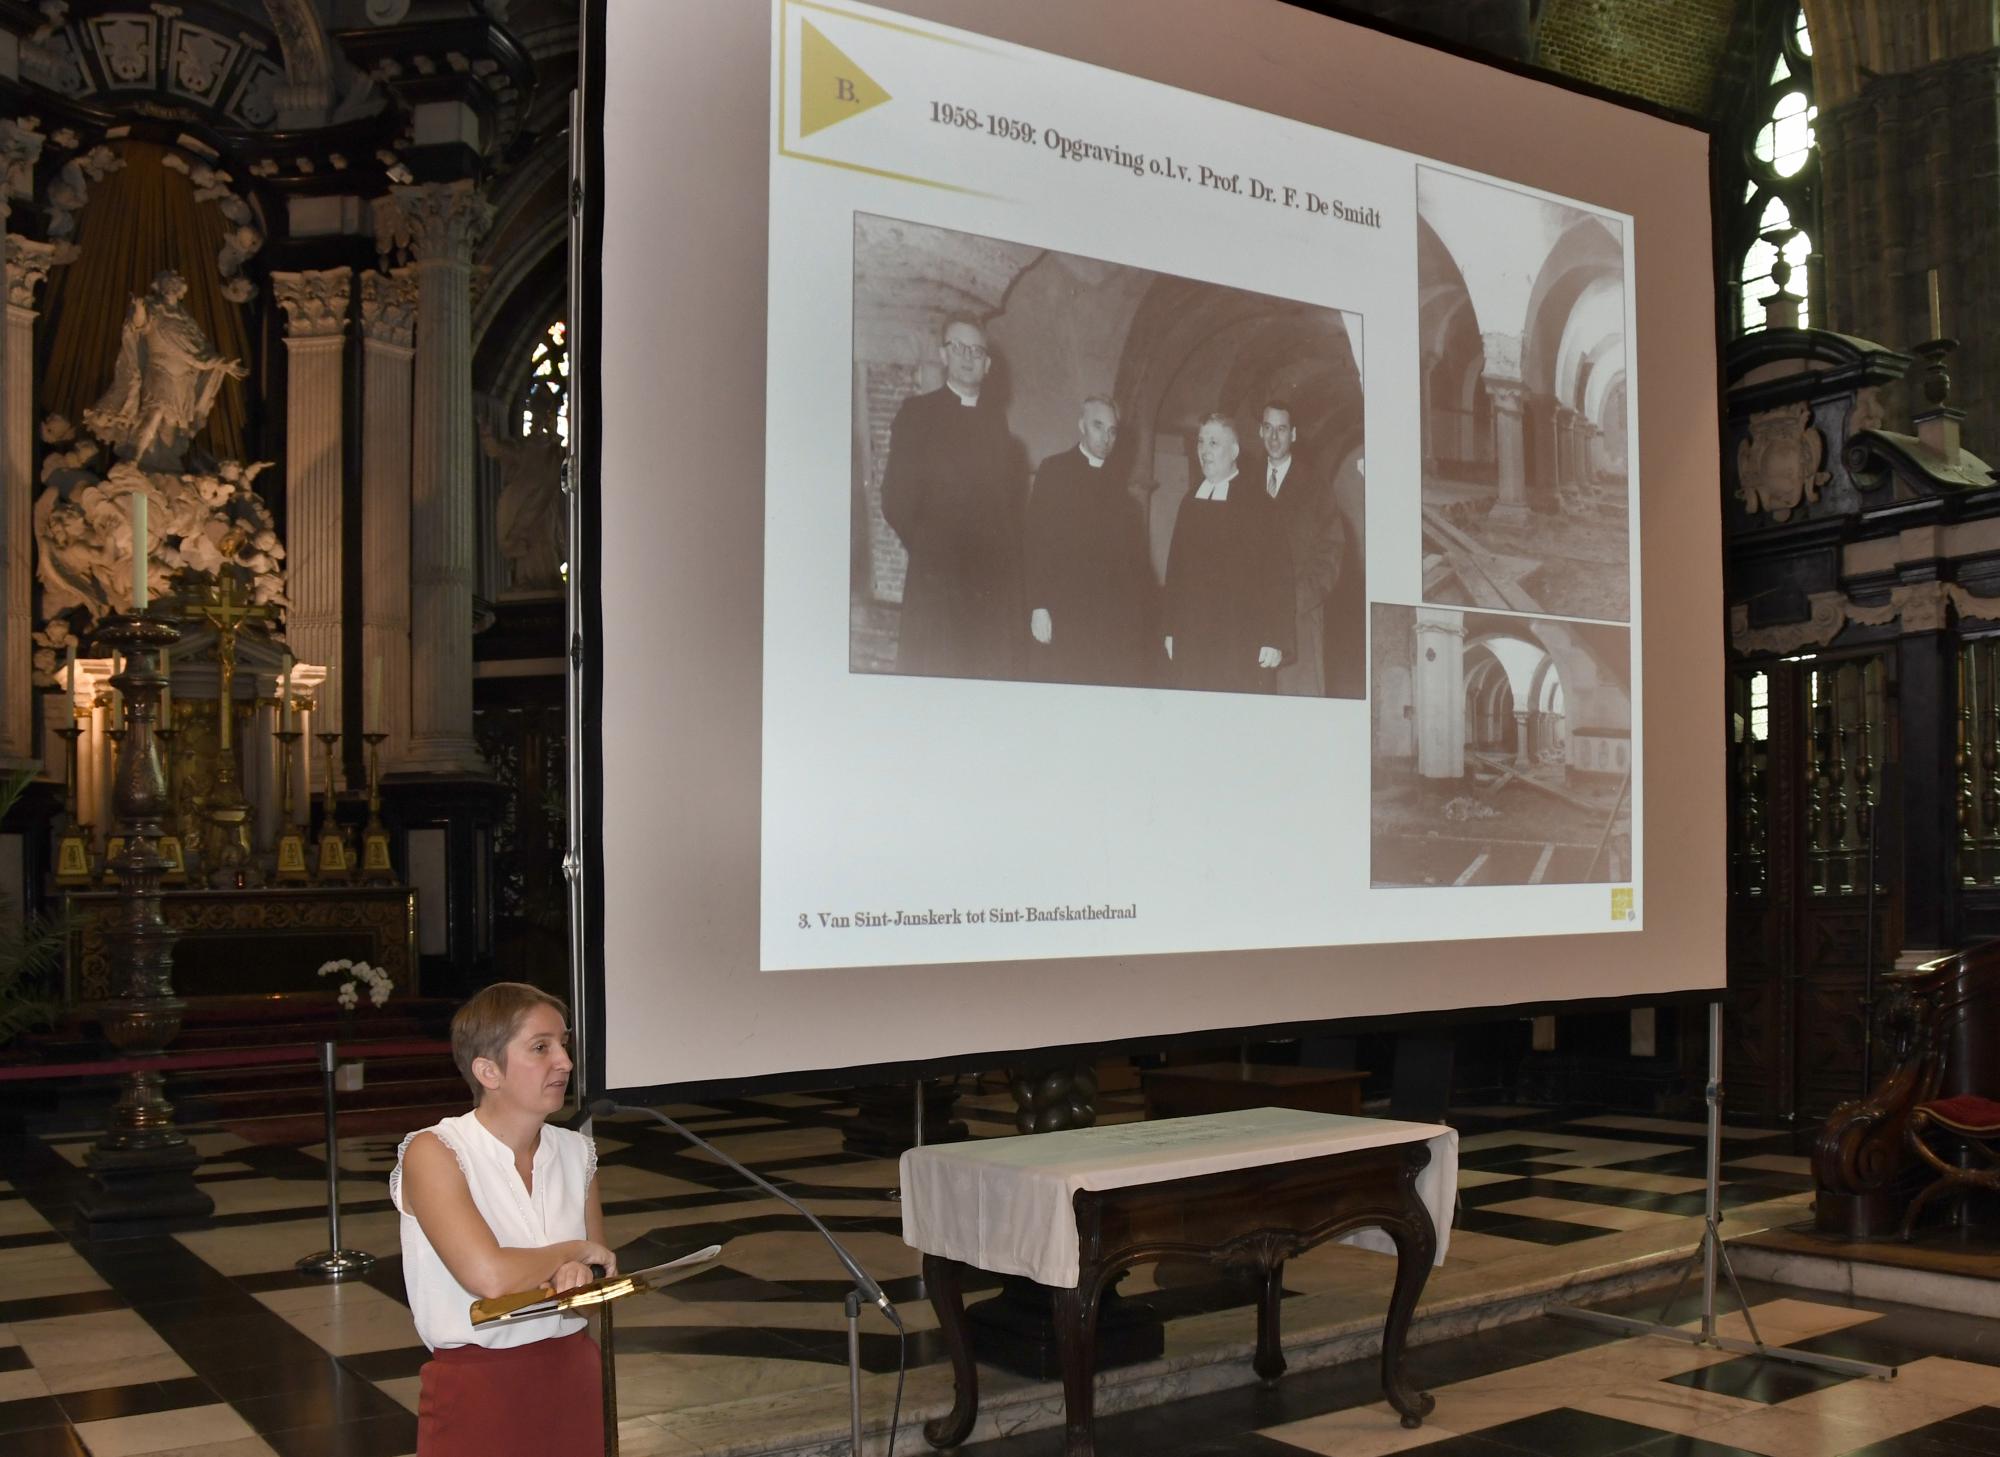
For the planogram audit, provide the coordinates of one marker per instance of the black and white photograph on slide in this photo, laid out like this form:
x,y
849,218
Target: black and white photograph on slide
x,y
1525,452
1078,471
1502,750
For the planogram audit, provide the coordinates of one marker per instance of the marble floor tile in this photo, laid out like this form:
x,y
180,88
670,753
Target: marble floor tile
x,y
784,1256
646,1438
20,1385
1770,1163
774,1145
1480,1178
344,1319
258,1248
1633,1124
218,1169
872,1174
33,1271
1788,1321
1644,1183
1783,1431
270,1196
1596,1155
620,1181
103,1348
1980,1384
1664,1405
18,1216
1574,1211
653,1383
207,1429
1362,1431
1881,1409
402,1390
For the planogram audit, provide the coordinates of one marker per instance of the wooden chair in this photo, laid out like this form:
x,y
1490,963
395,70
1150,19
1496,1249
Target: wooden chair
x,y
1875,1155
1960,1139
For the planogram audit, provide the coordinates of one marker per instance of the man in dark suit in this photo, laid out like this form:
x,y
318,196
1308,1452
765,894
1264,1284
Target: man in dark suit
x,y
1089,588
952,493
1316,540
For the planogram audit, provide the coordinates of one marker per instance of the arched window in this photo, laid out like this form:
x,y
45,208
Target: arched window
x,y
545,401
1779,211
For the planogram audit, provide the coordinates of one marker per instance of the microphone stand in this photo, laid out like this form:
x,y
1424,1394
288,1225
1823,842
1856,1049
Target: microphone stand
x,y
865,1287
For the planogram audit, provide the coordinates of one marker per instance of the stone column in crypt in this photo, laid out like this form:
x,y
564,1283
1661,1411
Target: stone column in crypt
x,y
437,224
316,309
388,327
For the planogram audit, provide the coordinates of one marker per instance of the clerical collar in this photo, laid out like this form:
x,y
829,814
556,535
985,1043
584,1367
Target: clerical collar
x,y
1215,490
1095,463
963,398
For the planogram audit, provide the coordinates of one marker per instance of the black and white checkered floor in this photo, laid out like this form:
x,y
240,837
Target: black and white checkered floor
x,y
208,1342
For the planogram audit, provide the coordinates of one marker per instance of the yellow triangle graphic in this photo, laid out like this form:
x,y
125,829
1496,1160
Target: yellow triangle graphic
x,y
832,88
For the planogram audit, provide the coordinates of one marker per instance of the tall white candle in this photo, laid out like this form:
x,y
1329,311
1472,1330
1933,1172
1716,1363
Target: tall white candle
x,y
285,694
371,710
141,551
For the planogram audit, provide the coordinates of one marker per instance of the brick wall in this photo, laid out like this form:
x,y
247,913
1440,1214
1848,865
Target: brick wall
x,y
1666,53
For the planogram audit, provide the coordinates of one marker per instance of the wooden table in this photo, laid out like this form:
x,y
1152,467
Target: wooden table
x,y
1216,1087
1257,1217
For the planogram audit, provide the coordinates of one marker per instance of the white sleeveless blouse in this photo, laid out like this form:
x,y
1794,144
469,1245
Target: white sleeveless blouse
x,y
565,1163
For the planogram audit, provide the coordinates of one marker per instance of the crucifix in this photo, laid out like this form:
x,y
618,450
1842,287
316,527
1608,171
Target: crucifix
x,y
222,607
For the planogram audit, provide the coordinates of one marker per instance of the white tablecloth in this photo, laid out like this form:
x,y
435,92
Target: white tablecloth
x,y
1003,1204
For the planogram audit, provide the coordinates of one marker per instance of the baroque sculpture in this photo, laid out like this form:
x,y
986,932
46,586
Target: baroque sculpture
x,y
203,514
530,520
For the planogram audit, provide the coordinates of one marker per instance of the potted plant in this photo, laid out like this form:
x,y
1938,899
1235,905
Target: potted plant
x,y
359,979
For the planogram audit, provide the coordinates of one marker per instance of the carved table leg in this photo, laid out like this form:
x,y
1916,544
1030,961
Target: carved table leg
x,y
1076,1339
1270,1362
943,1278
1416,1247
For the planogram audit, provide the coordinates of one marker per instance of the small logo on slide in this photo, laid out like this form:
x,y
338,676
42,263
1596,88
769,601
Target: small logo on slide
x,y
831,87
1623,907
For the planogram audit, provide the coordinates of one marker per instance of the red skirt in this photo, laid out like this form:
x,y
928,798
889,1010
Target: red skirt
x,y
545,1399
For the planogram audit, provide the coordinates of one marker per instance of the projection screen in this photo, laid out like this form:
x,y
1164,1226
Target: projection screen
x,y
1119,519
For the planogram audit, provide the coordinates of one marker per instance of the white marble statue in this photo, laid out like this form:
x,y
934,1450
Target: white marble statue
x,y
201,520
165,381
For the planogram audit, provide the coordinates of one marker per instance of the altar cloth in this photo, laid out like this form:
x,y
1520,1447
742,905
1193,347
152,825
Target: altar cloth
x,y
1004,1204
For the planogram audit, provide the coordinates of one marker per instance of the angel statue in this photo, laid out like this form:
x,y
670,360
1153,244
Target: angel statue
x,y
165,381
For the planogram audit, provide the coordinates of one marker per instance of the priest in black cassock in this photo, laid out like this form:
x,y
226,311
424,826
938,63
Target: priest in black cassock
x,y
1228,618
1090,592
952,492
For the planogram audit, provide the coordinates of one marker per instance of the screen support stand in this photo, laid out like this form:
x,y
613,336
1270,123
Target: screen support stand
x,y
1710,1255
853,1308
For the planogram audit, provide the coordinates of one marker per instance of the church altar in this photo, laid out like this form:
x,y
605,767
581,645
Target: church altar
x,y
253,942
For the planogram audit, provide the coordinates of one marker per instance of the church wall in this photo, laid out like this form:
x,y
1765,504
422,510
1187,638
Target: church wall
x,y
1669,54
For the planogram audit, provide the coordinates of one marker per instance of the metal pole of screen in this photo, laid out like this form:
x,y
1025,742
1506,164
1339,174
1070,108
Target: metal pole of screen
x,y
333,1262
580,382
1712,1256
853,1308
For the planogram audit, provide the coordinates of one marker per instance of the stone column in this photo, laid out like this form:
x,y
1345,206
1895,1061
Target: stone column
x,y
20,147
1427,365
28,263
315,305
438,224
1523,758
1509,398
1439,693
388,327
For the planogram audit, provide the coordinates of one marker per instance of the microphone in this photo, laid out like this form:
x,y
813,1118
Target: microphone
x,y
863,1281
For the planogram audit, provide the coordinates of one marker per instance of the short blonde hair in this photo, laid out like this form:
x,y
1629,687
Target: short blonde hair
x,y
488,1021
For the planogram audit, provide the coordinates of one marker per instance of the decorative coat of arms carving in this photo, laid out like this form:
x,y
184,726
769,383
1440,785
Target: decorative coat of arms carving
x,y
1777,466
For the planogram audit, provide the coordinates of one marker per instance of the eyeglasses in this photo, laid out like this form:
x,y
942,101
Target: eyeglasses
x,y
966,351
